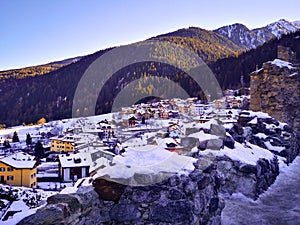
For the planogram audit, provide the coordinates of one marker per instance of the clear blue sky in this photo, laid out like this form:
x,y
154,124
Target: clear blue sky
x,y
37,32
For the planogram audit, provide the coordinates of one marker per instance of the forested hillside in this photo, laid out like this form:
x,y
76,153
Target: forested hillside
x,y
51,95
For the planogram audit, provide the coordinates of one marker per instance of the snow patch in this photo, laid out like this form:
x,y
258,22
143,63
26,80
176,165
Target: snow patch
x,y
280,63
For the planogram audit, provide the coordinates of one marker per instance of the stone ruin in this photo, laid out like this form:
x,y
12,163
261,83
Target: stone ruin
x,y
275,89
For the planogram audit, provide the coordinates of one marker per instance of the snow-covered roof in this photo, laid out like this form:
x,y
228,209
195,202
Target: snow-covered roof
x,y
19,160
66,138
75,160
280,63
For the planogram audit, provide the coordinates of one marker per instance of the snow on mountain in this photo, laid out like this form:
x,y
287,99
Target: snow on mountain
x,y
297,24
281,27
264,33
248,39
241,35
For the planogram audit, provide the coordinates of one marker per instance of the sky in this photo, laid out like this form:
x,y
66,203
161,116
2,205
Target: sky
x,y
35,32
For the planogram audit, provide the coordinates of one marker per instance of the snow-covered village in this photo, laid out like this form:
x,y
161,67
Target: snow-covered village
x,y
165,137
138,113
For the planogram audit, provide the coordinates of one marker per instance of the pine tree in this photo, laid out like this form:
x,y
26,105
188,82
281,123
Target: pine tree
x,y
15,137
6,144
28,139
39,150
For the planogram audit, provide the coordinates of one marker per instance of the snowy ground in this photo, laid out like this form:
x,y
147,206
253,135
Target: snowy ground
x,y
27,200
279,205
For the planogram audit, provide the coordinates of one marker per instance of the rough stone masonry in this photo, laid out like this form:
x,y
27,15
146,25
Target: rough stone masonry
x,y
275,89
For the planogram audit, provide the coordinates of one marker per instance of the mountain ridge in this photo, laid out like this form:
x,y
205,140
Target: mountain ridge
x,y
27,99
248,39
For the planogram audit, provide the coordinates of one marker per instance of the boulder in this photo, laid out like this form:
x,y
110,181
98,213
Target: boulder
x,y
108,190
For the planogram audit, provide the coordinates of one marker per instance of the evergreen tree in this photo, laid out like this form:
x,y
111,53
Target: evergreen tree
x,y
39,151
6,144
28,139
15,137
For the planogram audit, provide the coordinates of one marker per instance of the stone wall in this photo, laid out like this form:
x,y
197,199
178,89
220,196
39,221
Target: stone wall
x,y
185,199
286,54
276,91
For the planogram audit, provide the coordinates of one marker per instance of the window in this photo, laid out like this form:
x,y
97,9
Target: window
x,y
10,169
10,178
2,169
31,176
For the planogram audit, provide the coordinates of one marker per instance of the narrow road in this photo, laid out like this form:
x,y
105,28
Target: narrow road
x,y
280,205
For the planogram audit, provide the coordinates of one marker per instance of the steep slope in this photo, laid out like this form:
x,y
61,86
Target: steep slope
x,y
241,36
207,44
51,95
36,70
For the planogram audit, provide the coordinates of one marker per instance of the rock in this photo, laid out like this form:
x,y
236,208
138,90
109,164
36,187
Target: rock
x,y
202,145
217,130
205,162
288,128
199,203
86,195
124,212
108,190
237,129
214,144
247,133
203,183
172,212
49,215
229,142
174,181
210,168
239,138
213,205
175,194
189,142
72,202
149,179
246,168
141,196
195,175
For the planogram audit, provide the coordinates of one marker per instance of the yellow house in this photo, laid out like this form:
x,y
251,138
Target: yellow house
x,y
18,169
62,144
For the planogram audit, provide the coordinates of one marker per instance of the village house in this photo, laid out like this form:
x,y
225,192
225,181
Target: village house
x,y
165,114
127,110
106,130
132,121
196,109
74,166
18,169
62,143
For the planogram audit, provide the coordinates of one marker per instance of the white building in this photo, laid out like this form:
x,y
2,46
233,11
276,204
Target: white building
x,y
74,166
